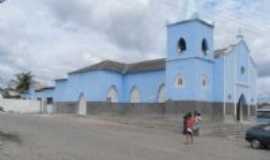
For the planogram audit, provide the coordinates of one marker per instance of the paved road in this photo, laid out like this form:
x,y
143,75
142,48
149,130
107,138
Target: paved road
x,y
75,138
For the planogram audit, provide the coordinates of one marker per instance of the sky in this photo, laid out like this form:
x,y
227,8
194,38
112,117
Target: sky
x,y
53,37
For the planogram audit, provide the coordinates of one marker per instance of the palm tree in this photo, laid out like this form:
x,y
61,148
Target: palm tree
x,y
23,81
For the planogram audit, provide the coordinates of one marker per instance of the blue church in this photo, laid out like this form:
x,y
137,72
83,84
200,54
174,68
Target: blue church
x,y
193,73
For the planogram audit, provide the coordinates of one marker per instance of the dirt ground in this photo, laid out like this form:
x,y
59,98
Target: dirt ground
x,y
62,137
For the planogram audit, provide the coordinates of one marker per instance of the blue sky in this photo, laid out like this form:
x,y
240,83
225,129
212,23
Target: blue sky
x,y
51,38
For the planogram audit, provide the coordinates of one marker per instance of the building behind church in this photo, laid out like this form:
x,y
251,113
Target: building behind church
x,y
193,73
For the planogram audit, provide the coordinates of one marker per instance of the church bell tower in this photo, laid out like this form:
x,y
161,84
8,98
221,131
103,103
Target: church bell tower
x,y
189,57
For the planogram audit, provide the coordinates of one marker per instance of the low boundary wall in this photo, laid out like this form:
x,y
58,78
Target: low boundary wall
x,y
20,106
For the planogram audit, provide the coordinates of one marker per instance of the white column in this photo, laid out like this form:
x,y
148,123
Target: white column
x,y
82,110
224,85
234,84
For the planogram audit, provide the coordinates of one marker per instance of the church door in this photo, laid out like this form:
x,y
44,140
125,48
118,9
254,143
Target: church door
x,y
242,108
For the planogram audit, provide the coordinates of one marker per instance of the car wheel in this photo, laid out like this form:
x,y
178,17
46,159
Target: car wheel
x,y
255,144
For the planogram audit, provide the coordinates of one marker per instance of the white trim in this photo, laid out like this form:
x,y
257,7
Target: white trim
x,y
135,95
112,95
242,84
161,97
207,59
234,86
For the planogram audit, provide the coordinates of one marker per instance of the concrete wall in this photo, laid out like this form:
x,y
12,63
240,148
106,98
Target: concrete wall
x,y
66,107
125,108
212,111
20,106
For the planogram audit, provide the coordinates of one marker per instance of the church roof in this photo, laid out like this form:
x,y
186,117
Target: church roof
x,y
124,68
44,88
192,20
61,79
144,66
151,65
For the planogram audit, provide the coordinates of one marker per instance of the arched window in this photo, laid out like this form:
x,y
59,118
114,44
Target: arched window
x,y
179,81
229,97
112,95
161,94
204,46
181,46
81,95
135,96
204,81
243,70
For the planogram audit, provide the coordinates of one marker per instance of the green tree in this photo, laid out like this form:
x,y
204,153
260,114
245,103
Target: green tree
x,y
23,81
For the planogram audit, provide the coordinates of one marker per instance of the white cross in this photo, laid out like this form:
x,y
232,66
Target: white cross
x,y
191,9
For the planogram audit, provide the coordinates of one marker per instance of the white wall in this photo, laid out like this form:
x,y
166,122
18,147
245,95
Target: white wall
x,y
20,106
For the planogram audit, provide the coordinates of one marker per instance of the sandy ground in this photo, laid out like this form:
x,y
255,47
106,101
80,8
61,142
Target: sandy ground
x,y
62,137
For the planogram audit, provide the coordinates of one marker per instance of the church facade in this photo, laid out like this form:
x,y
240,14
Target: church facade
x,y
193,71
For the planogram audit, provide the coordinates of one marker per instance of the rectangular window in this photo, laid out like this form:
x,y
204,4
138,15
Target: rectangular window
x,y
49,100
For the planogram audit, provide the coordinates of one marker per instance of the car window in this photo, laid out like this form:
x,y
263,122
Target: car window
x,y
263,114
267,128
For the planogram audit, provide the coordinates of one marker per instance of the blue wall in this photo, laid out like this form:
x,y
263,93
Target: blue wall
x,y
60,92
94,85
47,93
148,83
218,81
193,32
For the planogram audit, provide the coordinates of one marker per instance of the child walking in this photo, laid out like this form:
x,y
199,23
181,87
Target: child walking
x,y
188,128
